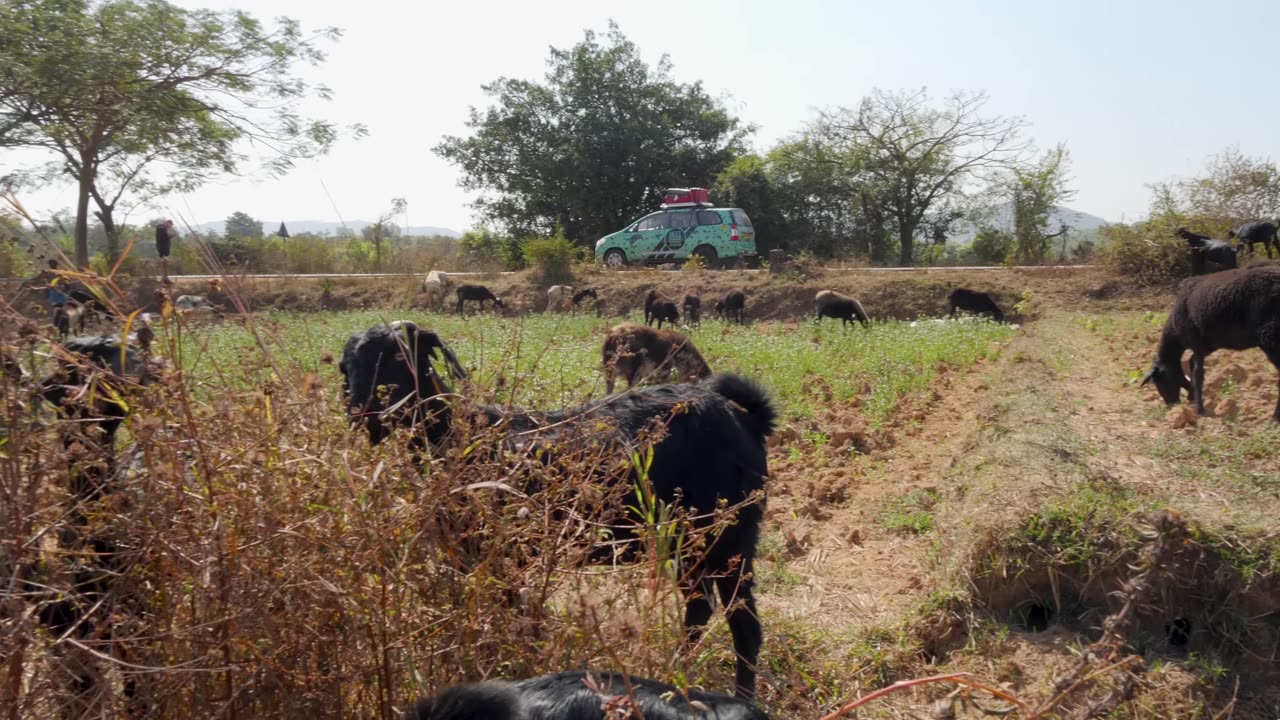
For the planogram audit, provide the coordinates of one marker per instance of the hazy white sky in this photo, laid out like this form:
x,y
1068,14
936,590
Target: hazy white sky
x,y
1139,90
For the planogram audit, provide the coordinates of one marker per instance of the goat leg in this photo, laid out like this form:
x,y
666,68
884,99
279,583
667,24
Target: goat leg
x,y
1197,382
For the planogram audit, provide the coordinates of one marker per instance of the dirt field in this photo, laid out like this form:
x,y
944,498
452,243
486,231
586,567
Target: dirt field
x,y
989,526
1038,520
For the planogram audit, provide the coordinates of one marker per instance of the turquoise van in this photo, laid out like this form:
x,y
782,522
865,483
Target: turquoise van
x,y
720,236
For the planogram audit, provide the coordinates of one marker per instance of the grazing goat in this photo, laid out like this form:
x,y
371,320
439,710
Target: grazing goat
x,y
559,298
435,286
659,307
580,696
828,303
1231,310
1253,233
476,293
732,307
581,296
637,352
194,305
1204,248
67,317
978,303
692,306
708,452
398,358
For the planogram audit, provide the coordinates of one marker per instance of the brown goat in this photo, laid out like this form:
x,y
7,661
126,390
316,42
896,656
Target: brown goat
x,y
692,306
637,352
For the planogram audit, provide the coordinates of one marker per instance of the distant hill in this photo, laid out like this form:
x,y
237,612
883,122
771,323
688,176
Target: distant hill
x,y
1001,217
326,227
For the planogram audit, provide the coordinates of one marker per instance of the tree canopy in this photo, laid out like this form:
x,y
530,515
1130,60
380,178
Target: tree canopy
x,y
137,98
592,146
922,157
241,225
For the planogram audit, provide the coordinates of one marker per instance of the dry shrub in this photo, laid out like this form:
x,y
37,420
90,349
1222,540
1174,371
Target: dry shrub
x,y
1146,252
272,564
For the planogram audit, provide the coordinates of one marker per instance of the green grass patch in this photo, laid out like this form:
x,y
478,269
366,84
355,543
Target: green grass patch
x,y
552,360
912,513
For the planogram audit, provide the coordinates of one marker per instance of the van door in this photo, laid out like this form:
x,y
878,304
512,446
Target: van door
x,y
646,235
680,224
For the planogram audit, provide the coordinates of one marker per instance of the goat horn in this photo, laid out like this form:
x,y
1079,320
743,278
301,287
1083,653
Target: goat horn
x,y
1147,378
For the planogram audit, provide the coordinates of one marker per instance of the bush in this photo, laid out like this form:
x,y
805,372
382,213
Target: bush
x,y
14,260
992,246
551,257
1146,252
487,250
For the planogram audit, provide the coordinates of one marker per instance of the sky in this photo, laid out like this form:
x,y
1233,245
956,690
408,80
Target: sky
x,y
1139,91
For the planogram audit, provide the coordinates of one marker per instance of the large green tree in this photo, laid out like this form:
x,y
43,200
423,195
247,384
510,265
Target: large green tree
x,y
922,157
241,225
137,98
592,146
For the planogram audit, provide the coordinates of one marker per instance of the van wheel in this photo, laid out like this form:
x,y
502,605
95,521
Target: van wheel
x,y
615,259
708,255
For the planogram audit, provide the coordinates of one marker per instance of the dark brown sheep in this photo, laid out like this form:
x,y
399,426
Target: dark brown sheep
x,y
637,352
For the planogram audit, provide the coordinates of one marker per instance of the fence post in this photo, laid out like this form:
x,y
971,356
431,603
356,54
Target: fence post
x,y
777,261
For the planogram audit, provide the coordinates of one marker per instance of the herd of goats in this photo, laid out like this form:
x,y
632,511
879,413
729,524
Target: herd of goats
x,y
708,433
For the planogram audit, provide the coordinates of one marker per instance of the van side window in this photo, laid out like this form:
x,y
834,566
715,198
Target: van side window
x,y
681,219
709,217
741,219
656,221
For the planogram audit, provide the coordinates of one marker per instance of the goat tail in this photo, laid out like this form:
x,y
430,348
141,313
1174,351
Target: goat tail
x,y
761,415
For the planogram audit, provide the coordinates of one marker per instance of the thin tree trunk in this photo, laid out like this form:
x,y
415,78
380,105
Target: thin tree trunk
x,y
113,235
82,215
906,235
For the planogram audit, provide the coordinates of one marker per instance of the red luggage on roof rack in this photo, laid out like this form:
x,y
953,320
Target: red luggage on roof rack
x,y
686,197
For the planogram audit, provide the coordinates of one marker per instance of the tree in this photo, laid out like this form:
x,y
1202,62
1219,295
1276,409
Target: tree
x,y
592,146
137,98
922,156
240,225
1233,189
747,184
1034,191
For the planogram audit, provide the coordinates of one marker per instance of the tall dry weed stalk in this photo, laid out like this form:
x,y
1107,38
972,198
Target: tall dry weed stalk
x,y
269,563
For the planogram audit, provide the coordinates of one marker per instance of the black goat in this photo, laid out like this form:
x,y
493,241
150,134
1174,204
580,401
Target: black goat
x,y
1232,310
1204,248
476,293
828,303
659,307
1253,233
732,307
692,306
581,296
398,358
709,449
978,303
88,391
580,696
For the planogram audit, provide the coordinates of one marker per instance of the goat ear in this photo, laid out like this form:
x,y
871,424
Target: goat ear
x,y
435,347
